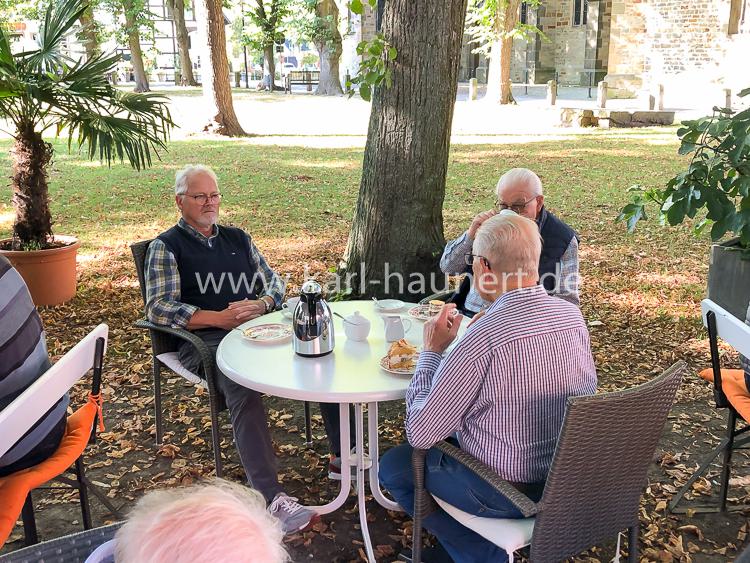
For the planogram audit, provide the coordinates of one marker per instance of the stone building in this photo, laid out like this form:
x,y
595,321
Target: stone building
x,y
634,44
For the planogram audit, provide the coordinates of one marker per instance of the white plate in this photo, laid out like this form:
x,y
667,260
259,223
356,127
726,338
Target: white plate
x,y
389,305
422,312
271,333
397,371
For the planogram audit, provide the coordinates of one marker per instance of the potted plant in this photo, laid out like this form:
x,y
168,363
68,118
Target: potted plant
x,y
43,89
715,185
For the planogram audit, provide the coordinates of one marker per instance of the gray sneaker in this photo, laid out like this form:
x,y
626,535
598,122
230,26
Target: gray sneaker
x,y
293,516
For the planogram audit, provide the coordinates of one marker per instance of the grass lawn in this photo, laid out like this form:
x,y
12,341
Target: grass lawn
x,y
641,293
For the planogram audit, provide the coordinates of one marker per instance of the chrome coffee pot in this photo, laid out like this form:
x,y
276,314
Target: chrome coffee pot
x,y
312,323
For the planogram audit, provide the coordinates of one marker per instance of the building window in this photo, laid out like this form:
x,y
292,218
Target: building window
x,y
737,16
580,12
524,15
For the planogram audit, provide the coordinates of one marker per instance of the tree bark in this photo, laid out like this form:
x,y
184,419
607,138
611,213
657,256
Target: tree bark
x,y
136,55
499,86
398,222
270,63
88,34
329,48
181,35
217,90
30,156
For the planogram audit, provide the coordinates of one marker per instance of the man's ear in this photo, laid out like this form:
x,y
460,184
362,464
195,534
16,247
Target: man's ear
x,y
178,201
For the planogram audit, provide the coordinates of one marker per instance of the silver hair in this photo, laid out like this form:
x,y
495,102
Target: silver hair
x,y
511,243
522,176
182,178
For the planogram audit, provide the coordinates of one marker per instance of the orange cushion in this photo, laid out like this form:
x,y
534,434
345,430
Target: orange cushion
x,y
15,487
733,386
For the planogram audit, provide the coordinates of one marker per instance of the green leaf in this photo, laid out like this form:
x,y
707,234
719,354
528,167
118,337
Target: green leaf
x,y
392,53
365,92
356,7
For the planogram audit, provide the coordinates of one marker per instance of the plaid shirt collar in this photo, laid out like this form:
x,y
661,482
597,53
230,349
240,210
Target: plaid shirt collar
x,y
201,237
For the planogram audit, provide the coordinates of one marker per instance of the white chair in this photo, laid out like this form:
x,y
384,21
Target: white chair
x,y
30,406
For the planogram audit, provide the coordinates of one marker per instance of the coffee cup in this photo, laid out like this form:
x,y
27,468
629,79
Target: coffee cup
x,y
287,308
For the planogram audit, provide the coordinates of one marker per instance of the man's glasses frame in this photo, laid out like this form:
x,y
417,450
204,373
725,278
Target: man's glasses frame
x,y
203,199
515,207
469,259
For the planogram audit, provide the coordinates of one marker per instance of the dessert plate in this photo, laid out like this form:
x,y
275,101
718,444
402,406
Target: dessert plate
x,y
271,333
422,312
397,371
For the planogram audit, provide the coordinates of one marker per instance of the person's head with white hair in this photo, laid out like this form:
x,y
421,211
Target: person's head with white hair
x,y
197,196
520,190
505,255
218,521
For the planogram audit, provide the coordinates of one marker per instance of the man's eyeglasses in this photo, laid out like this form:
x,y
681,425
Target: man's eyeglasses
x,y
203,199
515,207
469,259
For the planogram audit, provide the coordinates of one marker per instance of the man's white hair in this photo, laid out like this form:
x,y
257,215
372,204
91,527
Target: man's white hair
x,y
511,243
519,176
217,521
182,178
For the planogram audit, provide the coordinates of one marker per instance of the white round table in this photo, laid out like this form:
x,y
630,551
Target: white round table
x,y
351,374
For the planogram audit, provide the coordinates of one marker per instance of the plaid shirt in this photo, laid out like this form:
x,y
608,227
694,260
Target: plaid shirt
x,y
163,305
504,386
453,263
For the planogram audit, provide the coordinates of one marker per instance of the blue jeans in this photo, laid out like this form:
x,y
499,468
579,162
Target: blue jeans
x,y
456,485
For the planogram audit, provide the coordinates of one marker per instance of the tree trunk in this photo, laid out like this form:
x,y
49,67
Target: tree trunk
x,y
30,156
134,42
499,86
329,48
88,35
181,35
398,222
216,87
270,63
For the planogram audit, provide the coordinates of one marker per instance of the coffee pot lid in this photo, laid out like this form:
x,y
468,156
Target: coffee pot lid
x,y
311,287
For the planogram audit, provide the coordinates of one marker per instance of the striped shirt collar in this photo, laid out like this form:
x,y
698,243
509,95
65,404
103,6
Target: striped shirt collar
x,y
516,295
200,236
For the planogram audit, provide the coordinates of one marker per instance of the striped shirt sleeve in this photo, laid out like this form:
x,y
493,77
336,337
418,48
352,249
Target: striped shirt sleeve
x,y
439,396
163,305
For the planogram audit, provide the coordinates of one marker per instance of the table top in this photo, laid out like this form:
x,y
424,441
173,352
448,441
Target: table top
x,y
349,374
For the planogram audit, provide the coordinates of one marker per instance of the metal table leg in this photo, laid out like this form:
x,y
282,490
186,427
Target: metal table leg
x,y
346,474
372,427
362,505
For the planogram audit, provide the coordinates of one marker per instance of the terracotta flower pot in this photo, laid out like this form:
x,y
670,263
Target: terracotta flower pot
x,y
51,273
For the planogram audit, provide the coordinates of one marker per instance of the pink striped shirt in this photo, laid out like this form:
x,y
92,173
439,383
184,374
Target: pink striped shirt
x,y
504,386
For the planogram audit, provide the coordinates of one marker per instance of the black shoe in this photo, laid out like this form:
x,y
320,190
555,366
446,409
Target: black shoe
x,y
434,554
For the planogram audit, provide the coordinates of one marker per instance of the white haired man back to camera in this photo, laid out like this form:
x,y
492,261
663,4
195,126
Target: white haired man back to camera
x,y
520,190
218,521
502,389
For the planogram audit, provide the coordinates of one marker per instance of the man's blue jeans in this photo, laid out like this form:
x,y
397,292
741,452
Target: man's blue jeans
x,y
456,485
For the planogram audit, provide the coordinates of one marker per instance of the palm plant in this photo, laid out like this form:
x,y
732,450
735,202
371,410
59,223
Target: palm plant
x,y
43,89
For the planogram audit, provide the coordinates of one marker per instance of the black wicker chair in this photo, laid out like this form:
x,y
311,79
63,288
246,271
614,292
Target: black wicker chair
x,y
164,345
74,548
595,483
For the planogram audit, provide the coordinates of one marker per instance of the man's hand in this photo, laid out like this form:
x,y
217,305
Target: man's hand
x,y
478,220
248,309
441,330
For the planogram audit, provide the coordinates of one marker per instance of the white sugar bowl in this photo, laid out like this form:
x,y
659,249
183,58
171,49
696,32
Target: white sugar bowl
x,y
356,327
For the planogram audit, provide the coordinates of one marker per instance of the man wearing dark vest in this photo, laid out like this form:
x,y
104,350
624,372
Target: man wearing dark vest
x,y
519,190
210,278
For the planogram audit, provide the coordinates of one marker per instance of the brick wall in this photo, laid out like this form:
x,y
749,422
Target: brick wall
x,y
683,45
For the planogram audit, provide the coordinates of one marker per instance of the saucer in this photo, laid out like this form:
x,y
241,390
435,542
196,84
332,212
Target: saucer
x,y
389,305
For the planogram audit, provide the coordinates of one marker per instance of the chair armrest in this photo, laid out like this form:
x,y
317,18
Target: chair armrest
x,y
524,504
207,358
440,296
